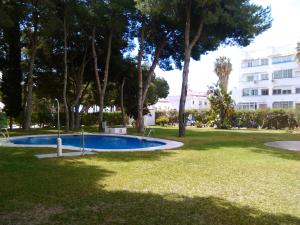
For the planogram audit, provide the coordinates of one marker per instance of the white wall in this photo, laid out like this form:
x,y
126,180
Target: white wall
x,y
149,119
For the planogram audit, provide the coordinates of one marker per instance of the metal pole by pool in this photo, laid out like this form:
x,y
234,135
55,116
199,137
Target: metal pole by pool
x,y
58,140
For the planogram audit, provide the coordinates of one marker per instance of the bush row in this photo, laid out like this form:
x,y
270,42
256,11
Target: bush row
x,y
87,119
111,118
267,118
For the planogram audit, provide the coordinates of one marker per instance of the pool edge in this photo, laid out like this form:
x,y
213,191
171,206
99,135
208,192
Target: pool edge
x,y
168,144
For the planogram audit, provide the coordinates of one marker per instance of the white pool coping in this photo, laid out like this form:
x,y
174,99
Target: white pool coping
x,y
64,154
168,144
287,145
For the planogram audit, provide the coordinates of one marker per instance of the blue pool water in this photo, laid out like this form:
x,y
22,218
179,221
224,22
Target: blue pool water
x,y
90,141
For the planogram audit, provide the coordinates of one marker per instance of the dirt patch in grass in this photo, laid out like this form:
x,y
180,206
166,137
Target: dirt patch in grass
x,y
37,215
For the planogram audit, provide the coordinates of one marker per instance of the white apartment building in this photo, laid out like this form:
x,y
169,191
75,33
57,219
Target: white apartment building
x,y
194,100
269,79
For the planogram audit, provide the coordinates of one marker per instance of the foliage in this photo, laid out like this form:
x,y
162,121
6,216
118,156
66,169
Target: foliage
x,y
3,120
173,116
266,118
204,26
162,120
223,68
111,118
10,56
159,88
221,106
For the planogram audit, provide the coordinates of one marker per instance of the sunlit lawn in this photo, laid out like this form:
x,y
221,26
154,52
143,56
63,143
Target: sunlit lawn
x,y
218,177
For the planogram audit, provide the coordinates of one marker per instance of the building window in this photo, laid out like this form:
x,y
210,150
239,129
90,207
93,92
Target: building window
x,y
283,59
297,91
282,91
250,92
283,105
276,91
286,92
250,78
247,106
254,62
264,62
280,74
264,91
263,106
264,76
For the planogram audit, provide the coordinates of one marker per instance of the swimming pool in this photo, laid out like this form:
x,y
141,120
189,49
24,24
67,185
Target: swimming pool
x,y
95,142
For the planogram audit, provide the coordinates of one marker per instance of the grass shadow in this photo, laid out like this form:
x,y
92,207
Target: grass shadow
x,y
134,156
76,193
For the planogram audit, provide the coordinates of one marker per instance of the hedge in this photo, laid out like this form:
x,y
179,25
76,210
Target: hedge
x,y
87,119
111,118
264,118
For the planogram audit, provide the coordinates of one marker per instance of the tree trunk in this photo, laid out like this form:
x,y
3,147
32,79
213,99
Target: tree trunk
x,y
185,74
78,91
140,117
143,88
152,68
106,70
28,108
66,76
187,57
122,102
101,89
97,78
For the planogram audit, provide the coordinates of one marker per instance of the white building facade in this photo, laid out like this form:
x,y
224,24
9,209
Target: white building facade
x,y
269,79
194,100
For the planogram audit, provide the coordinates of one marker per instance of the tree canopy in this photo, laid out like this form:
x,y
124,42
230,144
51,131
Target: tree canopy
x,y
77,51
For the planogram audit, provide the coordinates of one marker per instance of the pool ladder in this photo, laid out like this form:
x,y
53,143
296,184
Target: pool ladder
x,y
149,132
82,149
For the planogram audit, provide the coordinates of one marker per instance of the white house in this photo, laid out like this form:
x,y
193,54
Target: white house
x,y
149,119
269,78
194,100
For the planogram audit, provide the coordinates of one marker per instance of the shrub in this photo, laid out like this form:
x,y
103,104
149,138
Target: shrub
x,y
160,113
162,120
89,119
198,124
111,118
221,106
173,116
3,120
265,118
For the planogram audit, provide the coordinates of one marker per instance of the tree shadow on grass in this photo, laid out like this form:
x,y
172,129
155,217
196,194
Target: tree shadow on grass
x,y
75,191
134,156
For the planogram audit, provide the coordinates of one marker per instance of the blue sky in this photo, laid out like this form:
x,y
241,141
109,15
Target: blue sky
x,y
284,31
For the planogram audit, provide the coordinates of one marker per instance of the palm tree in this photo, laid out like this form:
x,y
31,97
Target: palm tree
x,y
298,52
223,68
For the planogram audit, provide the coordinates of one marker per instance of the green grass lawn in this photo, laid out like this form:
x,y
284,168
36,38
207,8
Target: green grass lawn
x,y
218,177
